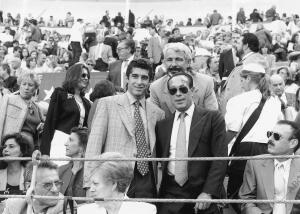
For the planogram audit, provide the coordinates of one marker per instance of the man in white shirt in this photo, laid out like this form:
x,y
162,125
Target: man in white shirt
x,y
76,39
276,179
277,87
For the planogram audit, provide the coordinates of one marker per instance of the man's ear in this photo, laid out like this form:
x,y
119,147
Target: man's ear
x,y
192,89
294,143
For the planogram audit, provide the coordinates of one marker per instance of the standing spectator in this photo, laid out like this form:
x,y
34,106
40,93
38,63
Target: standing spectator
x,y
125,123
119,20
106,19
215,18
19,113
271,13
189,23
269,179
183,179
35,35
245,138
154,48
76,39
178,58
131,19
117,69
68,108
51,22
69,20
255,16
72,173
240,17
264,36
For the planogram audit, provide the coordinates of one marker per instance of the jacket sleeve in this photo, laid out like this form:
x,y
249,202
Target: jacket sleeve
x,y
221,65
97,138
50,123
3,108
217,171
210,99
248,189
153,96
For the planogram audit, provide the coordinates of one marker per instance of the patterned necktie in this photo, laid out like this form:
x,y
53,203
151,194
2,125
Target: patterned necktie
x,y
181,173
141,143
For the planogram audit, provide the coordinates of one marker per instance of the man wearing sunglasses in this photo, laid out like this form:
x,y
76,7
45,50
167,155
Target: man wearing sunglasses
x,y
190,132
178,57
47,184
274,178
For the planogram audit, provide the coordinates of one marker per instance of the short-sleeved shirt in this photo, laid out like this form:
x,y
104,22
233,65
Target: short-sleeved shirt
x,y
240,108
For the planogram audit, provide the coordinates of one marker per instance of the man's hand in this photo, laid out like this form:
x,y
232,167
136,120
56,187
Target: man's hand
x,y
203,205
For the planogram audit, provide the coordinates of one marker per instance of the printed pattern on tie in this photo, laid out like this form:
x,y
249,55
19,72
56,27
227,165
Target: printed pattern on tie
x,y
141,143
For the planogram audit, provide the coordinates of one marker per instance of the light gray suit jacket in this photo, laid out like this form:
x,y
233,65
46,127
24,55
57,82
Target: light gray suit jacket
x,y
203,94
113,129
258,183
154,49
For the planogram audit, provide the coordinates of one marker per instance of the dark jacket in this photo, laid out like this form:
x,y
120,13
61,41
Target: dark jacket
x,y
11,84
226,63
63,114
255,17
71,181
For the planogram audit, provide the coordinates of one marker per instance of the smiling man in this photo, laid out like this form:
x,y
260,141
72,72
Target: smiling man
x,y
126,124
190,132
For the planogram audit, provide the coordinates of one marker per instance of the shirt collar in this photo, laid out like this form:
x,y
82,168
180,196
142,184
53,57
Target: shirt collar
x,y
247,55
189,112
132,100
129,59
284,163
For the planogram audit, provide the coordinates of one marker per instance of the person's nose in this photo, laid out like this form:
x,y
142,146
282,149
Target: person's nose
x,y
54,188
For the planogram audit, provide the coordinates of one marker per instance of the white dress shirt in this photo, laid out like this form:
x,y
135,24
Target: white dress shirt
x,y
188,121
240,108
123,70
281,177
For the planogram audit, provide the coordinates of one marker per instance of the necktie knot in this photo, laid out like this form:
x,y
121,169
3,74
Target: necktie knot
x,y
182,115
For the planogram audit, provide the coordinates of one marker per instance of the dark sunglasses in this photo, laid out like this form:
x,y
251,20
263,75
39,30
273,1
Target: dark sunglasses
x,y
84,75
182,89
275,135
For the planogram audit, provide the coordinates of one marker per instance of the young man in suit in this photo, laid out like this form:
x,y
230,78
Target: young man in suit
x,y
178,58
126,124
276,179
190,132
117,69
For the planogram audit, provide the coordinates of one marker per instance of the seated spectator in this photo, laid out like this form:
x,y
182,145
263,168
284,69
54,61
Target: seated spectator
x,y
271,178
19,113
72,173
47,184
66,59
24,56
50,64
10,82
110,179
293,44
269,58
104,88
31,64
11,173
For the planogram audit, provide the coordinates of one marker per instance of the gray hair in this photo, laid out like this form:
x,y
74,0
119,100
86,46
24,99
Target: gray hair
x,y
29,75
117,172
178,47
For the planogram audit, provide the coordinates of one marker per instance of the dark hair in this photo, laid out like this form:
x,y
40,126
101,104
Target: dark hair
x,y
189,77
26,147
295,133
174,29
142,64
28,60
6,67
103,88
129,44
251,40
208,61
293,39
46,164
82,133
24,48
17,49
73,75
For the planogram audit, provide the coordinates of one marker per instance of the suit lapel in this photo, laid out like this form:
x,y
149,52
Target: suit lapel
x,y
166,144
195,131
125,113
293,182
268,178
151,120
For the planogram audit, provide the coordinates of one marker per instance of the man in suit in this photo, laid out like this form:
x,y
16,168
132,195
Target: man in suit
x,y
247,51
117,69
178,58
47,184
154,47
276,179
126,124
190,132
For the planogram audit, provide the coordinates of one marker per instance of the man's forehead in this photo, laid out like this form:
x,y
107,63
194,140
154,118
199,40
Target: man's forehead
x,y
174,53
46,175
282,129
140,71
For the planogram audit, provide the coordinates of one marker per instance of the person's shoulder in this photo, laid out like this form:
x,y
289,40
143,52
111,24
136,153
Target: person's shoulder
x,y
159,82
154,107
90,208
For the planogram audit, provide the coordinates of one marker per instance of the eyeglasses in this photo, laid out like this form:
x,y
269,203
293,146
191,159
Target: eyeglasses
x,y
48,186
119,49
182,89
84,75
275,135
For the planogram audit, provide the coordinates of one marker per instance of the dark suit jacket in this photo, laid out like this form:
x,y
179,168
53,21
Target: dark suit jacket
x,y
114,72
206,139
226,63
63,114
76,183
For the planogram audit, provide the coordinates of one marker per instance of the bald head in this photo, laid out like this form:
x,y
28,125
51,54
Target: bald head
x,y
277,84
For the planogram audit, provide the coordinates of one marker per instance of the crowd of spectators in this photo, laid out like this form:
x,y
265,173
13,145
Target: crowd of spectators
x,y
224,90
